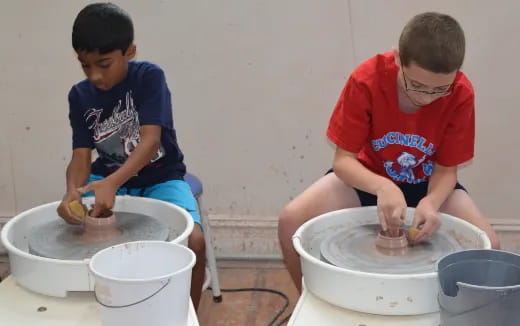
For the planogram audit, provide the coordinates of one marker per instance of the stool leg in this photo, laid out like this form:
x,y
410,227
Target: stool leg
x,y
210,254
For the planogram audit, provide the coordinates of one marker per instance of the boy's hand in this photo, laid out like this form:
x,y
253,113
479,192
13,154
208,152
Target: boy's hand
x,y
64,208
426,216
105,194
391,208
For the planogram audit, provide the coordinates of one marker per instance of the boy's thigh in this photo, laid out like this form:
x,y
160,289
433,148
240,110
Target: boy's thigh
x,y
460,204
327,194
177,192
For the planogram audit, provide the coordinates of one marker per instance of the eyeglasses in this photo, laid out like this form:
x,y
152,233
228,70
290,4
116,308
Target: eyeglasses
x,y
438,93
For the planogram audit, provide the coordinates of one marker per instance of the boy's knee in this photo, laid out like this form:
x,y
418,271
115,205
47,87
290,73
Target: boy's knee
x,y
286,217
196,241
291,211
495,241
289,221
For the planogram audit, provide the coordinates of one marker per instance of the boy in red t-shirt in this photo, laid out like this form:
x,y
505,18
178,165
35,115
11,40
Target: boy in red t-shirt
x,y
403,123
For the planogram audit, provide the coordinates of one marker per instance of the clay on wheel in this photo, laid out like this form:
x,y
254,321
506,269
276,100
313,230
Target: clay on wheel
x,y
59,240
356,249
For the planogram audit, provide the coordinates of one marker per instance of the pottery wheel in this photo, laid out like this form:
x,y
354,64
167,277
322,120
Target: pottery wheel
x,y
60,240
355,249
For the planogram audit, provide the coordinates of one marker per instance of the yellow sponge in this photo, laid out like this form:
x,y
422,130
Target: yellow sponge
x,y
412,233
77,209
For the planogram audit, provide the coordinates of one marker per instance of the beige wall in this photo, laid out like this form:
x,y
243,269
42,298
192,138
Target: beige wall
x,y
254,83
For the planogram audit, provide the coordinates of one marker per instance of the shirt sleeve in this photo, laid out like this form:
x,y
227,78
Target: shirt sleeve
x,y
154,107
458,142
81,135
349,124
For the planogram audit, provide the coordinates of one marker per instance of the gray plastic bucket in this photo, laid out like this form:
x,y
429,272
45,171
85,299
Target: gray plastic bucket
x,y
479,288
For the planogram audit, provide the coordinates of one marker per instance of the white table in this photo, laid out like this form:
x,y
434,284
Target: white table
x,y
311,310
19,307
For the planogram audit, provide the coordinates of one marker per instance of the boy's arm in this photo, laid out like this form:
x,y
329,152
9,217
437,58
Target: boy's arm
x,y
78,169
391,202
441,185
456,147
105,190
77,174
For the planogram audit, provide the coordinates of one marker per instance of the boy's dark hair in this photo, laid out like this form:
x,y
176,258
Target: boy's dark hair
x,y
102,27
434,42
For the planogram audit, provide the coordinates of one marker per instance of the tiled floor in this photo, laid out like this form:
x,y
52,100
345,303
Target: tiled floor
x,y
248,308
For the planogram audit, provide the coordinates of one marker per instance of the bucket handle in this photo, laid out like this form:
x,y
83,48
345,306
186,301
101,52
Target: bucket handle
x,y
131,304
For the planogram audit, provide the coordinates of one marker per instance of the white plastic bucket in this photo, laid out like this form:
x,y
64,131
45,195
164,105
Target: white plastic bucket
x,y
143,283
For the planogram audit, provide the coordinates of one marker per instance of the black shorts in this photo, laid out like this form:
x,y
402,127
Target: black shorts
x,y
413,193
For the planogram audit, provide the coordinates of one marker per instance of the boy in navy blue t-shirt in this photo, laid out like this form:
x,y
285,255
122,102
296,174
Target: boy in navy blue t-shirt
x,y
123,110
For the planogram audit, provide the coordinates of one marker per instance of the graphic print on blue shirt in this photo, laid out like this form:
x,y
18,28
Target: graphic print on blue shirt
x,y
406,162
117,136
109,121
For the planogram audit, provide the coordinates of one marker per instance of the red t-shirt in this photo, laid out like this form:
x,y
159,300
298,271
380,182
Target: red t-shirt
x,y
398,145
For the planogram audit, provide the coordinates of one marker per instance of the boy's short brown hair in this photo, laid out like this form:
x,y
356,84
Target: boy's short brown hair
x,y
434,42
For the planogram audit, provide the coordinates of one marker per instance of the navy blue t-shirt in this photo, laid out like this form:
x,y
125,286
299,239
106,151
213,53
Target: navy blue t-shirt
x,y
109,121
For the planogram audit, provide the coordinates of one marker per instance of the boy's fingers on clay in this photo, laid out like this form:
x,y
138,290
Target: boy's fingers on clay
x,y
97,210
396,231
403,214
418,221
382,220
392,225
395,221
109,204
428,228
434,223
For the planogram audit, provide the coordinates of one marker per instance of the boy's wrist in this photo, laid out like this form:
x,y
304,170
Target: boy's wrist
x,y
72,189
431,201
383,184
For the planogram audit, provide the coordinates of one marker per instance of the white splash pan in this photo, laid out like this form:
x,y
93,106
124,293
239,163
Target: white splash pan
x,y
55,277
382,294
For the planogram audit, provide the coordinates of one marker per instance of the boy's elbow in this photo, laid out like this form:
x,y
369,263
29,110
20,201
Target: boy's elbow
x,y
336,164
342,157
154,144
149,145
151,137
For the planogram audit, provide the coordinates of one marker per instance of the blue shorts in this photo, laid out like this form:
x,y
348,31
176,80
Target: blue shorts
x,y
177,192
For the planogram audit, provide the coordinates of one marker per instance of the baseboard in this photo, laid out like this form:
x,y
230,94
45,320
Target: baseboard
x,y
506,225
508,231
245,237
